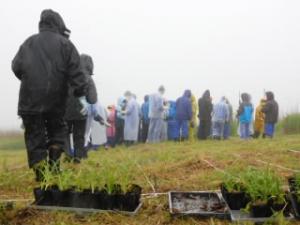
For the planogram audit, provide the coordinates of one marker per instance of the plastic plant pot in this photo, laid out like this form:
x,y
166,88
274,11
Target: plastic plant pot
x,y
235,200
43,197
261,210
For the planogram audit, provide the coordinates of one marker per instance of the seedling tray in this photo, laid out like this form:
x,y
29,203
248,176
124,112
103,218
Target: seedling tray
x,y
198,204
85,210
242,216
295,205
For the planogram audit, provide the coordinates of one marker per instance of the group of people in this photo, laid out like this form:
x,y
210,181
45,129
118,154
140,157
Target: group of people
x,y
60,110
158,119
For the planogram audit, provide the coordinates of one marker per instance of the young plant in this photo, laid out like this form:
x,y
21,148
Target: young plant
x,y
233,184
110,180
125,174
64,180
48,177
262,185
92,179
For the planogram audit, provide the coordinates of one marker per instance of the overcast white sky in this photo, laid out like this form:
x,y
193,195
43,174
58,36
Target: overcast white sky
x,y
226,46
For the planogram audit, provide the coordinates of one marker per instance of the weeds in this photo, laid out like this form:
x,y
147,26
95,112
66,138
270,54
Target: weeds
x,y
290,124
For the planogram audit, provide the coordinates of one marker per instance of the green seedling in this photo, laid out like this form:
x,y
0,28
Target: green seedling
x,y
262,185
233,184
64,179
48,177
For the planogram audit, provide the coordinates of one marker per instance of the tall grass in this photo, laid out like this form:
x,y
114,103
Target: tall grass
x,y
290,124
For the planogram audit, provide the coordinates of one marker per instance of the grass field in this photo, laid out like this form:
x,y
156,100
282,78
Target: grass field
x,y
157,168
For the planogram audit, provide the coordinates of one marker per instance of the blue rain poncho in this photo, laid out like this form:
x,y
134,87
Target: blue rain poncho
x,y
172,123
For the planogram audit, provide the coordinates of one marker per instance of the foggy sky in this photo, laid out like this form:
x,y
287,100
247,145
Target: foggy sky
x,y
226,46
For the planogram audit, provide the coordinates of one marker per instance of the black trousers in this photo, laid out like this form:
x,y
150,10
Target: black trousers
x,y
119,131
204,129
45,137
77,128
145,128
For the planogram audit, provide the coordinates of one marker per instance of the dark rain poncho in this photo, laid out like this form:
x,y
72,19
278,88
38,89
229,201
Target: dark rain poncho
x,y
45,64
73,105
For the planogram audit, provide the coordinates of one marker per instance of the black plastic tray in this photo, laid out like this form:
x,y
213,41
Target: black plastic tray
x,y
84,210
198,204
242,216
296,209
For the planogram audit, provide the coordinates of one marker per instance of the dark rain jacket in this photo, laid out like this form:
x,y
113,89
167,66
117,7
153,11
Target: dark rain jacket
x,y
73,105
205,107
184,107
45,64
271,109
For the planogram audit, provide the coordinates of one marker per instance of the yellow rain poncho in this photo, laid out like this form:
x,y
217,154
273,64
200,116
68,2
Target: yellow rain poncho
x,y
259,123
193,122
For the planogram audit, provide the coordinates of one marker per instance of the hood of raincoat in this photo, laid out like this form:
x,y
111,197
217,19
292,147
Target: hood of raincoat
x,y
270,95
193,99
187,94
246,98
87,64
146,98
51,20
206,95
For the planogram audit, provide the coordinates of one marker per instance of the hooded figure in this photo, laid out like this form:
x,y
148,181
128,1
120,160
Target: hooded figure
x,y
156,115
76,121
145,118
193,122
183,115
132,119
46,64
245,115
228,124
259,124
220,116
271,111
205,110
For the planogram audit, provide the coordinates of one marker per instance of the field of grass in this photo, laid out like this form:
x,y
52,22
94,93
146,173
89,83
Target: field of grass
x,y
157,168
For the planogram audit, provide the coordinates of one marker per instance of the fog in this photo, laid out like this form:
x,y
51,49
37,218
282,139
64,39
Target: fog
x,y
227,46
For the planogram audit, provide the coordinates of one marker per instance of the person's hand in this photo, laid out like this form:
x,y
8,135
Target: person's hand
x,y
84,104
192,124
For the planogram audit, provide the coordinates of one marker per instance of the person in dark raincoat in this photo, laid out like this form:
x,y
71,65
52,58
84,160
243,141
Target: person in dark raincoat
x,y
228,124
46,64
76,121
145,118
183,115
205,110
271,110
172,123
245,116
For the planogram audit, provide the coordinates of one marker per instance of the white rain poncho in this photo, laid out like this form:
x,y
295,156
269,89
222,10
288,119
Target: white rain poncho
x,y
132,119
95,132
